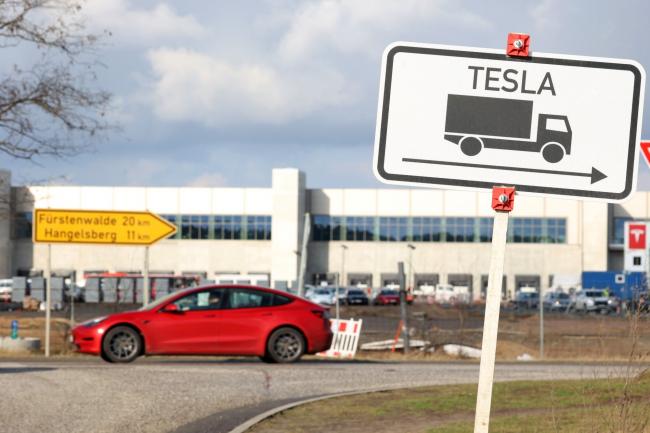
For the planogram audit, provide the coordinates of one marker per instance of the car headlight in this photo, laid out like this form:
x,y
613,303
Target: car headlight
x,y
92,322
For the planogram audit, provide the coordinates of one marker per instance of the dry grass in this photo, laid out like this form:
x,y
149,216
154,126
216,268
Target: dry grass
x,y
35,327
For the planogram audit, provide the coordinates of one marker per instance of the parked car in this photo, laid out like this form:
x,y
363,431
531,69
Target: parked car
x,y
323,296
526,300
448,294
211,320
6,286
356,297
387,297
588,300
556,301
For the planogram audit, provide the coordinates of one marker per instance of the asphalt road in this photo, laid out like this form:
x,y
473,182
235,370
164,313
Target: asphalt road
x,y
209,395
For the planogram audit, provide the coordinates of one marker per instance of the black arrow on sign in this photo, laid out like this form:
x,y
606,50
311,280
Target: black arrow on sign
x,y
594,175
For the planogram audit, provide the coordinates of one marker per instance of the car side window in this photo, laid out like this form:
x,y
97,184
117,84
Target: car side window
x,y
281,300
203,300
245,298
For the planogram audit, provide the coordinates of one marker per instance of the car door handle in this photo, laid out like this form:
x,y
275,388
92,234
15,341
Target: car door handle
x,y
210,316
267,314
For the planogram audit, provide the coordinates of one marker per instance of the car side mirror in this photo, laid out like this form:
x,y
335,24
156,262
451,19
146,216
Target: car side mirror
x,y
171,308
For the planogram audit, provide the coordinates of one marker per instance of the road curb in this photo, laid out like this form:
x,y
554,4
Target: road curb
x,y
245,426
269,413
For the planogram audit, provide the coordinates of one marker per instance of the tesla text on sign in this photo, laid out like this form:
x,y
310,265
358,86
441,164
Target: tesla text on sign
x,y
99,227
471,119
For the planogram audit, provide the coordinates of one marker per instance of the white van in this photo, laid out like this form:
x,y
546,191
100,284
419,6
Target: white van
x,y
6,286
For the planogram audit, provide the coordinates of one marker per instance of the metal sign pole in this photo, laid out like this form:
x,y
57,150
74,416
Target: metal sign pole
x,y
48,298
74,286
402,302
502,202
145,277
541,323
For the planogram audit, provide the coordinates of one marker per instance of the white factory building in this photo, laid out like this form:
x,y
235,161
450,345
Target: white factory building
x,y
357,234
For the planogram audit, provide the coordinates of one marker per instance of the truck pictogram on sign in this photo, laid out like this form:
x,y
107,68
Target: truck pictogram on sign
x,y
478,122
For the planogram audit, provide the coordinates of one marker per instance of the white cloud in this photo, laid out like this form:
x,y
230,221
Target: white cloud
x,y
361,26
208,180
194,86
306,67
131,25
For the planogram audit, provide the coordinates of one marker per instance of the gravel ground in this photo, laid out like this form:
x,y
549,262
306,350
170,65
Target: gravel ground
x,y
163,395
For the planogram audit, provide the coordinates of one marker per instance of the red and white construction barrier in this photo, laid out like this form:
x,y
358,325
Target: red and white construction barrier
x,y
345,340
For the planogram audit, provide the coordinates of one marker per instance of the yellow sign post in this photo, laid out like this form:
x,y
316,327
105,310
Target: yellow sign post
x,y
65,226
99,227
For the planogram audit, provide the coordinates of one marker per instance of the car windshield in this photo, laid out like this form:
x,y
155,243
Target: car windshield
x,y
355,292
162,300
389,292
322,292
594,294
562,296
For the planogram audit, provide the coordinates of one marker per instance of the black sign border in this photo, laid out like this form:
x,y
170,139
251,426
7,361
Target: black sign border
x,y
502,57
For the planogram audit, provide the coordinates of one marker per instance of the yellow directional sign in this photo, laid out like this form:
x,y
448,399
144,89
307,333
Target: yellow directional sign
x,y
99,227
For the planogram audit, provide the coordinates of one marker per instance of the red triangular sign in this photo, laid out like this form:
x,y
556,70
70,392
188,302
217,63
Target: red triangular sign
x,y
645,149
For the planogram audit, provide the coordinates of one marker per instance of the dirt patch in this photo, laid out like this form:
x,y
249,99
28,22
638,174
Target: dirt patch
x,y
35,327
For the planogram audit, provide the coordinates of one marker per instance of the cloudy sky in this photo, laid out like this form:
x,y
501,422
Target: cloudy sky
x,y
217,93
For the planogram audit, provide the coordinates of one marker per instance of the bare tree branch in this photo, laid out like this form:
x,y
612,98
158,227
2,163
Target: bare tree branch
x,y
48,109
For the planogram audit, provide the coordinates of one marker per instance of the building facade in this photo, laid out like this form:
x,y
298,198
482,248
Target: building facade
x,y
358,235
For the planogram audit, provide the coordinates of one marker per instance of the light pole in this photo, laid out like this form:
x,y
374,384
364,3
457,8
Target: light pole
x,y
341,279
410,281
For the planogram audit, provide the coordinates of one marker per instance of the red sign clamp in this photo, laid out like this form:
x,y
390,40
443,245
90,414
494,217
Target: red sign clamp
x,y
503,198
518,45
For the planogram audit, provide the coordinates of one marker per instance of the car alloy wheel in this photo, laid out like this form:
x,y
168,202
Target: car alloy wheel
x,y
285,345
121,344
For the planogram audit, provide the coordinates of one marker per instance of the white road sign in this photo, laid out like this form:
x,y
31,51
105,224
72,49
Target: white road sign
x,y
473,118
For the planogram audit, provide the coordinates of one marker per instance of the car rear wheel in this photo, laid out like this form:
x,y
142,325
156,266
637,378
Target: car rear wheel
x,y
284,345
121,344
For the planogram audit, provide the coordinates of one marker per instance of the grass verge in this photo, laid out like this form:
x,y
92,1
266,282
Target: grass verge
x,y
548,406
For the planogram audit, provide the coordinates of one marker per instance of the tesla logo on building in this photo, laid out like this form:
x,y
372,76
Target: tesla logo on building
x,y
636,236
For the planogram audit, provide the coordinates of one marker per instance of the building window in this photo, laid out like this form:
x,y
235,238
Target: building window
x,y
199,227
460,229
258,227
618,234
555,231
435,229
526,230
393,229
195,227
321,228
227,226
360,228
426,229
485,229
327,228
23,225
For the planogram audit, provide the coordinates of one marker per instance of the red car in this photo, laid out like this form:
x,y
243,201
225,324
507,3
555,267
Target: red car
x,y
214,320
387,297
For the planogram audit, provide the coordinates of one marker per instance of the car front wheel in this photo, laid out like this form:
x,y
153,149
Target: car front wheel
x,y
121,344
284,345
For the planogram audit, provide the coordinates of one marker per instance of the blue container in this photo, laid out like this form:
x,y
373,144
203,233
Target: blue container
x,y
14,329
624,285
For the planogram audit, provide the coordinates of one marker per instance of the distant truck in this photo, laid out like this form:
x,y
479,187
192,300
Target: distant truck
x,y
448,294
477,122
